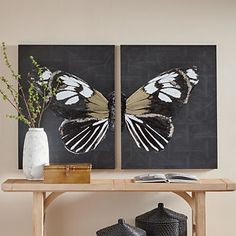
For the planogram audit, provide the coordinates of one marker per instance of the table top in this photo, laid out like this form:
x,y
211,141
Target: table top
x,y
119,185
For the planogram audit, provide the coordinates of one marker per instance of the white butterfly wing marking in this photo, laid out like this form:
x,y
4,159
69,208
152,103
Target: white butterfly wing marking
x,y
193,76
81,136
44,77
74,87
147,137
167,87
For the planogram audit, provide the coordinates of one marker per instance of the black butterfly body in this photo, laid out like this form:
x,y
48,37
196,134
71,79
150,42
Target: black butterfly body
x,y
147,113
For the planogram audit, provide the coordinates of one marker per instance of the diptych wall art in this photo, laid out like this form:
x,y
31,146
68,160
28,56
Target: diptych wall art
x,y
170,107
168,104
77,120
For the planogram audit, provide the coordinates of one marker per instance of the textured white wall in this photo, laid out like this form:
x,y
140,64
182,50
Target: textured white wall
x,y
120,22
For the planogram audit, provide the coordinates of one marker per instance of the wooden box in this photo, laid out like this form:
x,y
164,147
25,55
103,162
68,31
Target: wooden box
x,y
67,174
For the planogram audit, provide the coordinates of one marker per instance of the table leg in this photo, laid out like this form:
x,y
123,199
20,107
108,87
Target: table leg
x,y
38,213
200,213
193,215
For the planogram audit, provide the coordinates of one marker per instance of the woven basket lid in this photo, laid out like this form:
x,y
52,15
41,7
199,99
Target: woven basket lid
x,y
121,229
159,215
176,215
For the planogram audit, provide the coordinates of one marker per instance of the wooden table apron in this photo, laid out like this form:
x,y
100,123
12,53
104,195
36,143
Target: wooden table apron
x,y
193,193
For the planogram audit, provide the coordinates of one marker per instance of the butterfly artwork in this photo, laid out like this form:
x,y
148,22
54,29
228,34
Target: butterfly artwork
x,y
93,63
167,104
147,114
179,104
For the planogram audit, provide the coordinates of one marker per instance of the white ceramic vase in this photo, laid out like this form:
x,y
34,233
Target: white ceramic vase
x,y
35,153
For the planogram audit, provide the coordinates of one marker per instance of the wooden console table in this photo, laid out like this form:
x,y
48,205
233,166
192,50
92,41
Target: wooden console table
x,y
193,193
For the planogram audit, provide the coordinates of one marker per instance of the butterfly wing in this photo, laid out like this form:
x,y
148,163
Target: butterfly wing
x,y
84,109
150,132
76,99
83,135
149,110
163,94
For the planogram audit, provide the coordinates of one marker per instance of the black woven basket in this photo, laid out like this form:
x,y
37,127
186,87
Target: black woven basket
x,y
158,223
181,218
121,229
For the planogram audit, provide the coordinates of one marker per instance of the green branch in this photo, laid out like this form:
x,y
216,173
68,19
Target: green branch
x,y
36,98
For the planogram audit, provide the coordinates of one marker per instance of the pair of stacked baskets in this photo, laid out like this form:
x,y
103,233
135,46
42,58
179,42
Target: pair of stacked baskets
x,y
157,222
